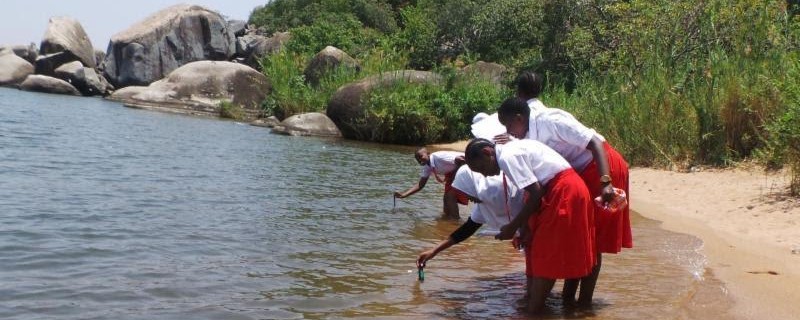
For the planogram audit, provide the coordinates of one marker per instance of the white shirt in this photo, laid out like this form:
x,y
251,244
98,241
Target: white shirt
x,y
490,126
563,133
442,162
526,162
491,212
536,105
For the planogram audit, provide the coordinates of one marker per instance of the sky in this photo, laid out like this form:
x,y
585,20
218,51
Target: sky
x,y
24,21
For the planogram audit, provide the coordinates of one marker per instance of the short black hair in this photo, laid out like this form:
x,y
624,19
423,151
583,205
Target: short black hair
x,y
512,106
474,148
530,84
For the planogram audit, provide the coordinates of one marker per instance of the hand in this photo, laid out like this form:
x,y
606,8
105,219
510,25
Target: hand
x,y
502,138
398,195
424,257
608,193
506,232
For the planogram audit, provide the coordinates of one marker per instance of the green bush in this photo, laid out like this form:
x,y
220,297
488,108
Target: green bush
x,y
230,110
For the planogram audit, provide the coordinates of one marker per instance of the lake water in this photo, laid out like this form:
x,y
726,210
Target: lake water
x,y
117,213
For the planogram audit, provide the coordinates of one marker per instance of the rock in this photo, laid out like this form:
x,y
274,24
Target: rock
x,y
65,34
238,27
47,64
40,83
168,39
99,56
86,80
328,60
308,124
13,69
29,52
268,122
251,47
345,109
199,88
490,71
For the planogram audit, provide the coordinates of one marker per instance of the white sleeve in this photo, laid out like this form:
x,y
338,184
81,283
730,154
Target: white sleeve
x,y
571,131
477,214
426,171
518,169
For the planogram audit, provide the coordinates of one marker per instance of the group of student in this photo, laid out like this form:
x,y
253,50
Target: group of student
x,y
544,180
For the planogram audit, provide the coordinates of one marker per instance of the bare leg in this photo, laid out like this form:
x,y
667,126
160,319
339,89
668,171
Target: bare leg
x,y
588,283
568,294
540,287
450,204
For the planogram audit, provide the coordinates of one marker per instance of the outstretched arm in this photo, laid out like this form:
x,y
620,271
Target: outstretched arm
x,y
601,158
532,203
414,189
463,232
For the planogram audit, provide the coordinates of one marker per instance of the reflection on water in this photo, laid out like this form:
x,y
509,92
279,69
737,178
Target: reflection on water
x,y
111,212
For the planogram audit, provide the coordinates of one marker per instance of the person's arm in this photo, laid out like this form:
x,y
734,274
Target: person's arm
x,y
412,190
601,158
463,232
531,205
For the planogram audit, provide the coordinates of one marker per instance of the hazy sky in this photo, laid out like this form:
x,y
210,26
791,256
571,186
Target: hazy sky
x,y
24,21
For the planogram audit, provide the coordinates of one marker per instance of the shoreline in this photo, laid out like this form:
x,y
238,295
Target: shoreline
x,y
749,228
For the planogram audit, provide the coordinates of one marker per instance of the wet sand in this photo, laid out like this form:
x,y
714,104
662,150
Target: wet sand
x,y
750,229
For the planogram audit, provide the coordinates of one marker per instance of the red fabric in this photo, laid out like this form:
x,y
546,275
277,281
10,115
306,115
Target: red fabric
x,y
448,187
613,230
562,246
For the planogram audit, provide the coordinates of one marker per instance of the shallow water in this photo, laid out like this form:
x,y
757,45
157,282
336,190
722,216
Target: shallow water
x,y
110,212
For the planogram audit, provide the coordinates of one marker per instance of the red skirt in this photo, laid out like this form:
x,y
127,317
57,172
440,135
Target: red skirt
x,y
448,187
561,244
613,231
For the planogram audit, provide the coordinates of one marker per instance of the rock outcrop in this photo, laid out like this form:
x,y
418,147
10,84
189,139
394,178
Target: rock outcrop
x,y
308,124
86,80
327,60
165,41
199,88
345,108
13,69
40,83
29,52
252,46
490,71
65,34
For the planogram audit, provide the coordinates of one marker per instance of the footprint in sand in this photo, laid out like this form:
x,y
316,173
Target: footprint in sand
x,y
764,272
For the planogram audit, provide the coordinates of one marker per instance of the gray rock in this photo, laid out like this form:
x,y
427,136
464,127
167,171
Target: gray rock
x,y
199,88
13,69
86,80
490,71
67,34
345,108
168,39
328,60
308,124
251,47
40,83
268,122
47,64
29,52
99,56
238,27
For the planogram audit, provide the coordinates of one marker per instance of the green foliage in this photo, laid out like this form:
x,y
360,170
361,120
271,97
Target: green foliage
x,y
395,114
230,110
283,15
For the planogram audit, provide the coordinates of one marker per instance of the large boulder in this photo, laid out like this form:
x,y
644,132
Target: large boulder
x,y
308,124
40,83
345,107
29,52
199,88
65,34
48,63
490,71
327,60
13,69
251,47
86,80
168,39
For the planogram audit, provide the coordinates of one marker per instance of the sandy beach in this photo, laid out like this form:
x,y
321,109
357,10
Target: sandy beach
x,y
749,226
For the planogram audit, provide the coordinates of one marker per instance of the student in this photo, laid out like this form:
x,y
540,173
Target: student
x,y
529,86
441,162
556,210
600,166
